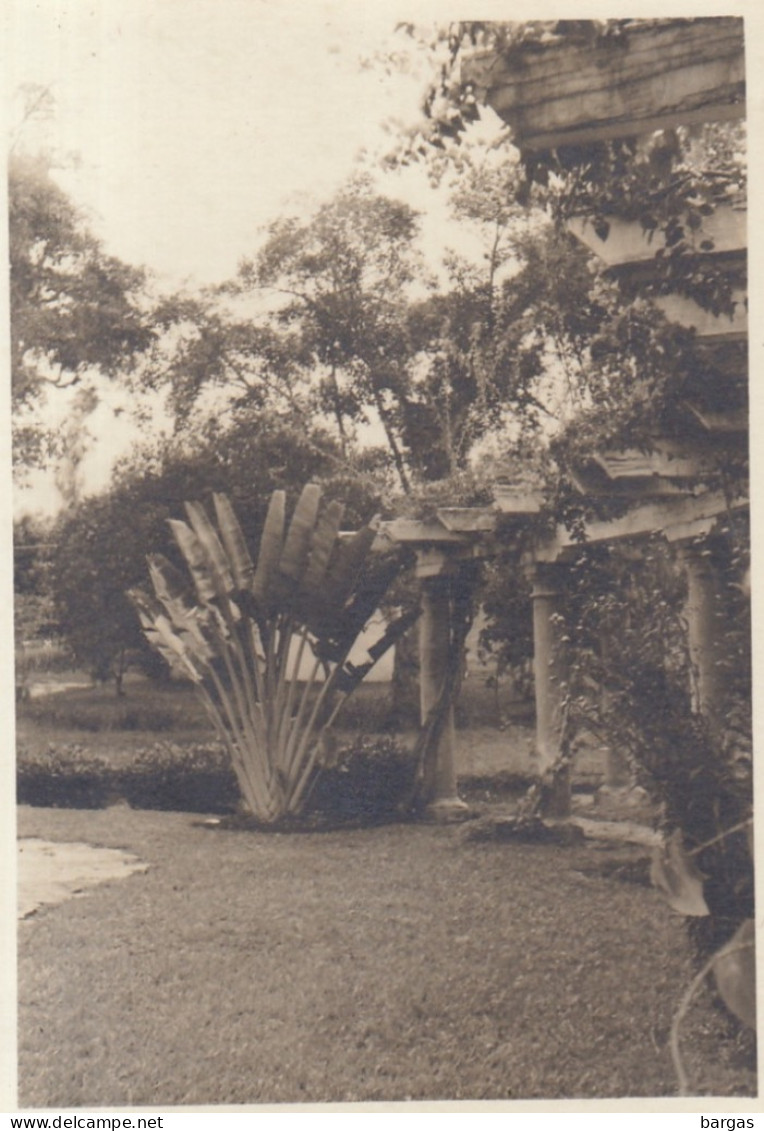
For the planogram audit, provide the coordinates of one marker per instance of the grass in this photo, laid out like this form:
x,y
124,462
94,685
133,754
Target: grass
x,y
94,718
393,963
381,964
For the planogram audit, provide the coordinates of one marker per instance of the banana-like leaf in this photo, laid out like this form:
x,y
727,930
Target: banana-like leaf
x,y
196,559
146,606
271,542
675,875
394,631
183,617
294,556
191,664
322,543
369,591
169,582
345,568
735,973
217,560
352,674
242,567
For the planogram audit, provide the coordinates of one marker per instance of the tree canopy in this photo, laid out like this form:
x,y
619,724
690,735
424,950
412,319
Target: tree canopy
x,y
73,307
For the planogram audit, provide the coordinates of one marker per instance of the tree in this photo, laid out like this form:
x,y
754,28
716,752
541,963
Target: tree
x,y
205,350
33,612
240,633
73,308
100,546
343,281
501,350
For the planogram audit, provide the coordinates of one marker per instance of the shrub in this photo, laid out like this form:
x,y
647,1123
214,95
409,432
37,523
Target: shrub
x,y
165,775
366,781
193,778
630,681
64,777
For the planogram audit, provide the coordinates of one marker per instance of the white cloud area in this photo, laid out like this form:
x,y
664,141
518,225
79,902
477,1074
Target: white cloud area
x,y
196,122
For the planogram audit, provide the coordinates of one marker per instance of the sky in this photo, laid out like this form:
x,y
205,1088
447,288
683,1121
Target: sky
x,y
197,121
182,127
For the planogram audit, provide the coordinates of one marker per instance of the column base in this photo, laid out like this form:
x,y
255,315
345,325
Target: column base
x,y
447,809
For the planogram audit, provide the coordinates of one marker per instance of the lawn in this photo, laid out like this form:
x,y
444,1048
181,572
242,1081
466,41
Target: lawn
x,y
388,963
392,963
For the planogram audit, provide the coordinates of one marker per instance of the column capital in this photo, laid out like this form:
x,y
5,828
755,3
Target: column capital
x,y
547,578
696,555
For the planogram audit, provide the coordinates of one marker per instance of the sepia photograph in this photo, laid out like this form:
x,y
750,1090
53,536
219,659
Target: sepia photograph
x,y
382,656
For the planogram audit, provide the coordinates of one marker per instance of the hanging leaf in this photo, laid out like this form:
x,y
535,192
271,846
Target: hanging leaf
x,y
675,875
169,582
735,973
371,588
169,589
395,630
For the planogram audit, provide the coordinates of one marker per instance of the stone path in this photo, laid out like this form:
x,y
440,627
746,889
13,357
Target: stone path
x,y
51,871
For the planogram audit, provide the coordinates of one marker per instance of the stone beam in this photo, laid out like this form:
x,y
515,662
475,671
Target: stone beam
x,y
628,243
657,74
661,517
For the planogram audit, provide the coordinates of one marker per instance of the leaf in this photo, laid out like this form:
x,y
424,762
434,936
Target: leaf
x,y
676,877
196,560
601,227
376,579
394,631
346,565
322,543
294,556
271,541
233,539
220,571
735,973
170,589
147,607
169,582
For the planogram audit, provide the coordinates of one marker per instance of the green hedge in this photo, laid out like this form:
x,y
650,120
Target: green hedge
x,y
366,783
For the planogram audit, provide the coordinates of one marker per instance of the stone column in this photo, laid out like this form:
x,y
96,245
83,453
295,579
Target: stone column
x,y
434,655
705,630
549,677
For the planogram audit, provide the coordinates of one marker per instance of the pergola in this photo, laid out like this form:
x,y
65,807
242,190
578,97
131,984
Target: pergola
x,y
663,73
